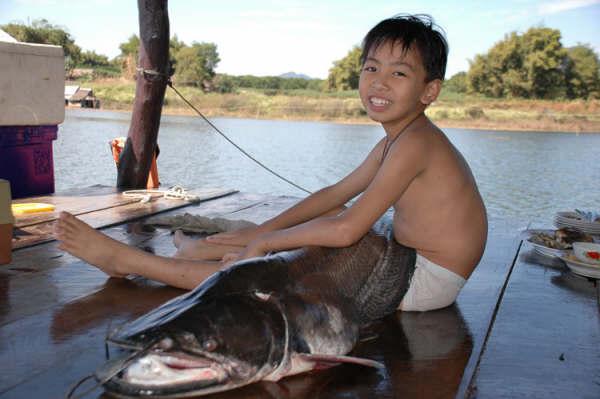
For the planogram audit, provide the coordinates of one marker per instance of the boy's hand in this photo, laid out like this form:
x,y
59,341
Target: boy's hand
x,y
249,252
239,237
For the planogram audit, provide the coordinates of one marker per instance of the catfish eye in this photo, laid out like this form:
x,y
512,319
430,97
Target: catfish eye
x,y
209,345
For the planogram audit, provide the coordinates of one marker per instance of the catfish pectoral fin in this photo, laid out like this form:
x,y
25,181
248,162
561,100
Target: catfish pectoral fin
x,y
326,361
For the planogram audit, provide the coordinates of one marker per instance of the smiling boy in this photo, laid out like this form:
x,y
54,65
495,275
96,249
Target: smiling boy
x,y
414,169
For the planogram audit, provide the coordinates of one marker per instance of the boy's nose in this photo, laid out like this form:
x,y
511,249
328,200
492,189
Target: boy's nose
x,y
379,83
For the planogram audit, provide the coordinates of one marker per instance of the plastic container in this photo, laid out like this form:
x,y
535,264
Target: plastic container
x,y
6,223
26,159
32,84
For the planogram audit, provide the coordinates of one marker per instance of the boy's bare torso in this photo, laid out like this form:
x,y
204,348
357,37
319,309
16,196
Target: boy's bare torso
x,y
441,213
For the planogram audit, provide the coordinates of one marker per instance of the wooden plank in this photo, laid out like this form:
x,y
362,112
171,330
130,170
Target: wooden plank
x,y
98,210
77,201
544,342
481,294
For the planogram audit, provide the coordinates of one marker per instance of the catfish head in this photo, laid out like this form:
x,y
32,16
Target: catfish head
x,y
216,345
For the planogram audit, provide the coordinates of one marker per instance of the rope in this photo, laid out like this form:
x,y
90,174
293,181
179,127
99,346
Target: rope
x,y
170,84
175,192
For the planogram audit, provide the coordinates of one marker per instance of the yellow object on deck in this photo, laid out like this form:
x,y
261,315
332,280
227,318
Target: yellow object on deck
x,y
31,207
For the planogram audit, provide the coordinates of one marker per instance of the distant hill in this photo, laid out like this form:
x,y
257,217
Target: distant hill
x,y
291,75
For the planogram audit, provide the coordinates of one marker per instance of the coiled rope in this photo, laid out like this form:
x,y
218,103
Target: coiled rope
x,y
175,192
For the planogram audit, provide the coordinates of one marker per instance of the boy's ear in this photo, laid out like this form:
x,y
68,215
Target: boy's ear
x,y
431,92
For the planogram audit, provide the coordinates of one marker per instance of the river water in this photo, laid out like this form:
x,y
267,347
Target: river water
x,y
522,176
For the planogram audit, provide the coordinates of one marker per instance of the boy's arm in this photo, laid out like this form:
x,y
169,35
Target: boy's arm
x,y
328,201
406,159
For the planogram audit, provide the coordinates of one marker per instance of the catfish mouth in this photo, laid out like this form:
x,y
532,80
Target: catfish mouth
x,y
173,359
172,368
177,374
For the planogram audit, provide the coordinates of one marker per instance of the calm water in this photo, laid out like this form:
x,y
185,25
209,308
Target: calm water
x,y
525,176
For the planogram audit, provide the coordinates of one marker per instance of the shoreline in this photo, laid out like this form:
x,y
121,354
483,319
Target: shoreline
x,y
526,125
451,110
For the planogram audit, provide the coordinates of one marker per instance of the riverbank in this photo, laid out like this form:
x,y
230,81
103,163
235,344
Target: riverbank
x,y
451,109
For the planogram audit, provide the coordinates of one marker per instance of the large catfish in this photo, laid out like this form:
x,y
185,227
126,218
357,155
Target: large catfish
x,y
261,319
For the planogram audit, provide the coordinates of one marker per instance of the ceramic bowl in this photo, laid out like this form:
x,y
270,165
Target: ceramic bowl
x,y
587,252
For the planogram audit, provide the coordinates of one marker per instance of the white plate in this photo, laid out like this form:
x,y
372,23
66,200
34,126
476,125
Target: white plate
x,y
587,225
587,230
573,219
578,223
547,251
582,268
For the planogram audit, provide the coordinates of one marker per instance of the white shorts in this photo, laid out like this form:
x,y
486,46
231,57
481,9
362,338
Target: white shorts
x,y
431,287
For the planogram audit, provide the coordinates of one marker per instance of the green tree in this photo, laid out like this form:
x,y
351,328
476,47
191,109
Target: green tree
x,y
43,32
129,56
582,72
500,72
130,47
175,45
345,73
316,85
530,65
92,59
224,83
196,64
457,83
544,60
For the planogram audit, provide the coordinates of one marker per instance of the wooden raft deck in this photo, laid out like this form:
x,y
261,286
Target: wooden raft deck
x,y
521,327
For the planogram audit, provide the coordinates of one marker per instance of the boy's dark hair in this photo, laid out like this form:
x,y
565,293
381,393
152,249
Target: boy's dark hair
x,y
418,30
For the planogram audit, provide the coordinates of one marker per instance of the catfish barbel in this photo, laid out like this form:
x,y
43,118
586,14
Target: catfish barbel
x,y
261,319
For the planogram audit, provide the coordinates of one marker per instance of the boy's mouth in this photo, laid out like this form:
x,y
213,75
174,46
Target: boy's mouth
x,y
378,103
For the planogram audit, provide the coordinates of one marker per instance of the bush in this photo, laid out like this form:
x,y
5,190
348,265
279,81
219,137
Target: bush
x,y
475,112
439,114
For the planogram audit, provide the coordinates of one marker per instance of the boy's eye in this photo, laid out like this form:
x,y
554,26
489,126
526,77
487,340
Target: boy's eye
x,y
369,69
398,73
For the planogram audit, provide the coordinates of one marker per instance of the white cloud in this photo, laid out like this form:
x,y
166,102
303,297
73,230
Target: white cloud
x,y
560,6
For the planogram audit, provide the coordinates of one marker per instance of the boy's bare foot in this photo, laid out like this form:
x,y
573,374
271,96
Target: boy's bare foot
x,y
198,249
81,240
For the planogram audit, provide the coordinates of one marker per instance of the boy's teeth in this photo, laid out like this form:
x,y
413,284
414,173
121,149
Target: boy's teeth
x,y
379,101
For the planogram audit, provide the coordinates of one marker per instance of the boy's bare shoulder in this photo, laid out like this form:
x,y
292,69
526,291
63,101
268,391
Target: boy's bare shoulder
x,y
421,139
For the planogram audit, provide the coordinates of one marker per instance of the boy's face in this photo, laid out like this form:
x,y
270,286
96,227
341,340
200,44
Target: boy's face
x,y
392,85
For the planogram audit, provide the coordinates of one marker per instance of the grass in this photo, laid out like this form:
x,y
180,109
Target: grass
x,y
451,110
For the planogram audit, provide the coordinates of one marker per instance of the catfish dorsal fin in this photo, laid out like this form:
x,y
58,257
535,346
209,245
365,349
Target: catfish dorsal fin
x,y
326,361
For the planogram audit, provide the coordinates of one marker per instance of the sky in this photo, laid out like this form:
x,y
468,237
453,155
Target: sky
x,y
268,37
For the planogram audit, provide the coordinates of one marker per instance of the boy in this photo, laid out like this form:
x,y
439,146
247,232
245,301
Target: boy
x,y
437,207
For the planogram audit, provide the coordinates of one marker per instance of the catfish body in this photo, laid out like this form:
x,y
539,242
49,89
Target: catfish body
x,y
261,319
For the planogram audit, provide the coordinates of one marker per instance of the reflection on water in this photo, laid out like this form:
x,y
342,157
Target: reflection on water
x,y
521,175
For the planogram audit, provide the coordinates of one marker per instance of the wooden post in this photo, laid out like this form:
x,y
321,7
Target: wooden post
x,y
151,82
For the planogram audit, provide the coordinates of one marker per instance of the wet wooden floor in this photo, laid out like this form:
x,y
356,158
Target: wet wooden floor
x,y
523,326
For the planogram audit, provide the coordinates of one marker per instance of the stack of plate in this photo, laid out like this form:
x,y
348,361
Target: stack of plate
x,y
575,220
